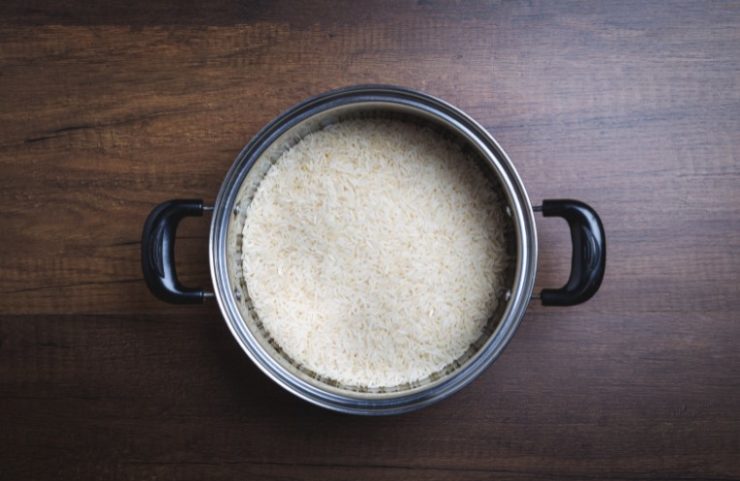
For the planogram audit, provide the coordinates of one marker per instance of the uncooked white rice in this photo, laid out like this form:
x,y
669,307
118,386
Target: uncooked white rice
x,y
373,251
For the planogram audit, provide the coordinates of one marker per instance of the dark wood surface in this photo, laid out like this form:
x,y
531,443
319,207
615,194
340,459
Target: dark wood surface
x,y
107,108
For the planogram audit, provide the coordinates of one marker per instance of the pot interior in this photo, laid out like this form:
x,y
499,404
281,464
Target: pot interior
x,y
284,139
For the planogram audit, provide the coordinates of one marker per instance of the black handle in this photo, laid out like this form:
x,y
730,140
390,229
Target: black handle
x,y
589,252
158,251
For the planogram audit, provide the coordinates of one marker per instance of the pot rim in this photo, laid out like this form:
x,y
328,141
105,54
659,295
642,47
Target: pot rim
x,y
523,222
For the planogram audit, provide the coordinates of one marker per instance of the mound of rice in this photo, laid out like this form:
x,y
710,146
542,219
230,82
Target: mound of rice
x,y
373,252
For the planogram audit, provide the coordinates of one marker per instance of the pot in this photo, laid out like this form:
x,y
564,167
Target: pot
x,y
241,182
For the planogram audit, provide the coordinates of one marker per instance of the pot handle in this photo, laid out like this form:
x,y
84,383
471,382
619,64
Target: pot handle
x,y
589,252
158,251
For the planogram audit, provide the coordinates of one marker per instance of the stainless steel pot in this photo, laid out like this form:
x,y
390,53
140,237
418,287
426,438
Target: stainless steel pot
x,y
241,182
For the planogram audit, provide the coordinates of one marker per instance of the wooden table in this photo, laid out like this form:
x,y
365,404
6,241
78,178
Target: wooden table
x,y
108,108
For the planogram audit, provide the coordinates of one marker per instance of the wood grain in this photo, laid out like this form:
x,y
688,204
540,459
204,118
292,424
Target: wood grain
x,y
109,108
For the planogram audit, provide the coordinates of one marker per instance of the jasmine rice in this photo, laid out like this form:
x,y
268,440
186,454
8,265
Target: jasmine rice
x,y
373,252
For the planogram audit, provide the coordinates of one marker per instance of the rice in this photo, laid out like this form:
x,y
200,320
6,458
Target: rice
x,y
373,252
